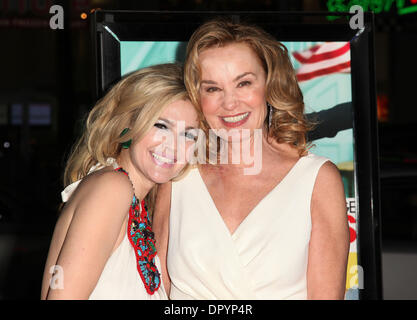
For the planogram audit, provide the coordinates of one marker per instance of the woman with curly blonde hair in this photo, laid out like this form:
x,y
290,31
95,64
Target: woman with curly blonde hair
x,y
103,246
281,233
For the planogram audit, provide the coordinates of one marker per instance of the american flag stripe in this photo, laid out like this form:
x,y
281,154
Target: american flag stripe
x,y
326,58
320,56
310,67
343,67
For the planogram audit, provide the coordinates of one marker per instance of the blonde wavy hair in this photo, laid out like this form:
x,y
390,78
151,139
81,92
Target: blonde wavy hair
x,y
135,102
288,123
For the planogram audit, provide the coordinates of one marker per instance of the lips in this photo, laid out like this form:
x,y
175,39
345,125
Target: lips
x,y
235,120
162,161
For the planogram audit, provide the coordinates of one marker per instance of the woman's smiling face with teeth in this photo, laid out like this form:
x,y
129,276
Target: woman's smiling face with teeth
x,y
233,87
156,155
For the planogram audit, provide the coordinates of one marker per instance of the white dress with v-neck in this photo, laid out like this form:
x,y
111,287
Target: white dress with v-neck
x,y
265,257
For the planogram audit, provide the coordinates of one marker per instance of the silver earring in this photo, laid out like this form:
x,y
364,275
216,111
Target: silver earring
x,y
269,115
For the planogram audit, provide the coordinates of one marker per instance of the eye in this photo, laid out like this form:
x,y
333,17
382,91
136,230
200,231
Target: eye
x,y
160,126
211,89
244,83
190,135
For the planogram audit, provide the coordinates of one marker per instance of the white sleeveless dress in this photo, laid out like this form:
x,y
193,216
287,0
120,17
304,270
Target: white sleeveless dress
x,y
265,258
120,279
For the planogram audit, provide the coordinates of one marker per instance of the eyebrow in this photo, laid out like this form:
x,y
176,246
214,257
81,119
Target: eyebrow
x,y
243,75
171,123
234,80
165,120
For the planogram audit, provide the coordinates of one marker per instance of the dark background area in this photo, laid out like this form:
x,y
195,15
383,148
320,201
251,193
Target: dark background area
x,y
42,67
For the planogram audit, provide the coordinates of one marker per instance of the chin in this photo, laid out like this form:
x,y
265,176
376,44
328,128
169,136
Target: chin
x,y
161,177
240,133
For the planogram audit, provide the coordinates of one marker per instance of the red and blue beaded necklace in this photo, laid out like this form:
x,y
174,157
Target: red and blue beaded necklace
x,y
142,239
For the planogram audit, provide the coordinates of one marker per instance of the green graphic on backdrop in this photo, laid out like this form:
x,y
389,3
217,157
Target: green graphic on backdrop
x,y
136,55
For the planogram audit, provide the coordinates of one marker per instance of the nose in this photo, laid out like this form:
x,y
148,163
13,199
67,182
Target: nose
x,y
229,100
170,146
167,143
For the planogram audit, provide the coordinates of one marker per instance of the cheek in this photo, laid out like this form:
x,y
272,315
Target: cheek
x,y
155,137
185,155
208,105
210,109
159,140
138,157
139,151
189,155
258,102
189,150
256,97
148,139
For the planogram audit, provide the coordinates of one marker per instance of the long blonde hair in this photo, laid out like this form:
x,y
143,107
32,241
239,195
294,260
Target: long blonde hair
x,y
135,102
288,123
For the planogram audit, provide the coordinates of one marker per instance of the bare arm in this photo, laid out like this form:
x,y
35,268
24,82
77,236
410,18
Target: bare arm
x,y
160,225
329,242
100,209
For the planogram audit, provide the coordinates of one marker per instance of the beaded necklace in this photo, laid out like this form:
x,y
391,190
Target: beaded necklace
x,y
142,239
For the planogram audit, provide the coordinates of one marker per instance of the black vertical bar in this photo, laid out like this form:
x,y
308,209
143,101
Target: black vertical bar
x,y
366,158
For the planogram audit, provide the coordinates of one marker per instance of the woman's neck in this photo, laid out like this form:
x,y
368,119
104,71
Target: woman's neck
x,y
244,154
141,184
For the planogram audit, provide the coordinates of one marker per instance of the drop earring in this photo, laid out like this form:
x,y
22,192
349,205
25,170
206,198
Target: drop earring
x,y
126,144
270,111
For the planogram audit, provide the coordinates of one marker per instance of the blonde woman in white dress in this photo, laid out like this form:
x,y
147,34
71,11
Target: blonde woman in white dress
x,y
279,234
103,246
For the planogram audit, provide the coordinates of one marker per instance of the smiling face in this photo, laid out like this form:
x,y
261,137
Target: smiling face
x,y
233,87
155,156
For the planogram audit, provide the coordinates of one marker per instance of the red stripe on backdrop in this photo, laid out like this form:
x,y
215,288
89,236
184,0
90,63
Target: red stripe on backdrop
x,y
322,72
311,51
322,56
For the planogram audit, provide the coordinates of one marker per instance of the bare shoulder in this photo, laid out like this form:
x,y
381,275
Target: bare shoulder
x,y
329,241
328,179
86,238
328,194
103,189
106,178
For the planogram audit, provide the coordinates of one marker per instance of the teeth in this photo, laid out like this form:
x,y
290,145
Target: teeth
x,y
161,158
236,118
